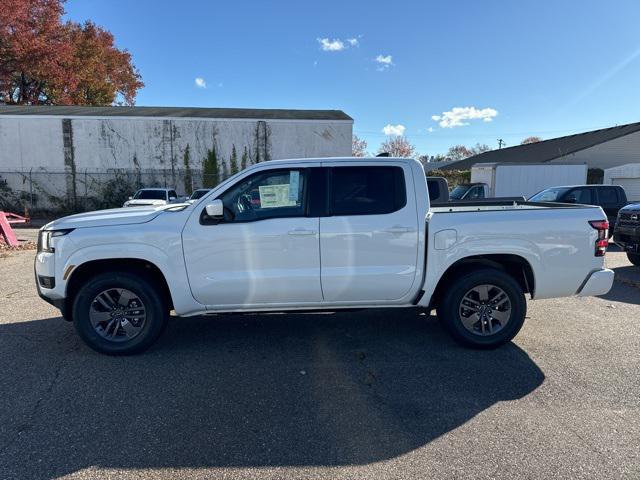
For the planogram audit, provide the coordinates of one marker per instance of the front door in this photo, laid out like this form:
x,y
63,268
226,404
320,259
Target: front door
x,y
369,241
265,252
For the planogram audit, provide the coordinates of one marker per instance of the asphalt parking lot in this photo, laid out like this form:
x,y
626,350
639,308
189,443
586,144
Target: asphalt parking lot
x,y
377,394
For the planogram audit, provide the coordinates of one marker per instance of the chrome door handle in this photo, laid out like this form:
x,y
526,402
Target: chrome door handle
x,y
301,231
398,229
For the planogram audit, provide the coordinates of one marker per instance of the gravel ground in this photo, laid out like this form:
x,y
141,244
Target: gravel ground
x,y
377,394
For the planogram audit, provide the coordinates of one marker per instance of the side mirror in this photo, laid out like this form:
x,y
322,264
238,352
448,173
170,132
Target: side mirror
x,y
215,209
130,197
172,198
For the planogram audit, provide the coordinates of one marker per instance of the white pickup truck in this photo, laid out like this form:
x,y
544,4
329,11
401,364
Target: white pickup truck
x,y
318,234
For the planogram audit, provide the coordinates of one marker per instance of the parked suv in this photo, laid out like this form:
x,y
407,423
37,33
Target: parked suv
x,y
627,232
610,197
146,197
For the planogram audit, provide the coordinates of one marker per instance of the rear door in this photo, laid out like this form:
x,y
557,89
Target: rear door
x,y
369,240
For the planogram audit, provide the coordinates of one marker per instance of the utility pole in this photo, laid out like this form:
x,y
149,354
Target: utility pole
x,y
501,143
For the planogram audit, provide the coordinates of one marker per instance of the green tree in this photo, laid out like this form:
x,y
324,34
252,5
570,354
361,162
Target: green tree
x,y
188,183
245,158
233,162
210,169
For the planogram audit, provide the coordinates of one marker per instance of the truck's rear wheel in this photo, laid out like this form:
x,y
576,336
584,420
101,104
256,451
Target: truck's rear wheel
x,y
634,258
484,309
119,313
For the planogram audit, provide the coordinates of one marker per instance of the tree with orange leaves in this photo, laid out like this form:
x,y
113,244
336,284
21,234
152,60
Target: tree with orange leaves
x,y
46,62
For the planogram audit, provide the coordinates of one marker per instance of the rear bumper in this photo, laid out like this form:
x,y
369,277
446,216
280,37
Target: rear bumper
x,y
597,283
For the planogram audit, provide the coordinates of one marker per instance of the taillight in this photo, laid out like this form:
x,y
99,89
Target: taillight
x,y
602,226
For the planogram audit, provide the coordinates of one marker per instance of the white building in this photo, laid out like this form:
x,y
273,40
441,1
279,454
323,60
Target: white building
x,y
604,148
49,153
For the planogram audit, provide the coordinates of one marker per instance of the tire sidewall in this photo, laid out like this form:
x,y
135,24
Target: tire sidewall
x,y
451,304
156,314
634,258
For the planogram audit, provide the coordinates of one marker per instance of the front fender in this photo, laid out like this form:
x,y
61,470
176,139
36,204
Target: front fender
x,y
171,266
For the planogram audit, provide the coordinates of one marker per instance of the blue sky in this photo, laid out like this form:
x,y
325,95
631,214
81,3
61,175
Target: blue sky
x,y
483,69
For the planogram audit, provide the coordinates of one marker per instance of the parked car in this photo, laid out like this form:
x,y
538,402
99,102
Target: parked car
x,y
313,234
198,194
151,196
611,198
627,232
505,180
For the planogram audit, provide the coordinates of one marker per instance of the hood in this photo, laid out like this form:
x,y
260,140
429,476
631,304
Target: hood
x,y
634,207
102,218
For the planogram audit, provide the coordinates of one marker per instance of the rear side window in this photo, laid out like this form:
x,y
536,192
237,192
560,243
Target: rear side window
x,y
367,190
608,196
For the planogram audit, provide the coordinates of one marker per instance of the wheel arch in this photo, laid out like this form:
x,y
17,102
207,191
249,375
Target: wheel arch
x,y
81,273
516,266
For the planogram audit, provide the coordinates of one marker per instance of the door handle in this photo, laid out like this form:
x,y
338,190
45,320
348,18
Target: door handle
x,y
398,229
301,232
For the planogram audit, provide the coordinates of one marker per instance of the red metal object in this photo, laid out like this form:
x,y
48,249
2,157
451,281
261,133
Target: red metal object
x,y
6,219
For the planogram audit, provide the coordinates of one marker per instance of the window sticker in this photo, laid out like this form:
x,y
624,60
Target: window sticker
x,y
274,196
294,186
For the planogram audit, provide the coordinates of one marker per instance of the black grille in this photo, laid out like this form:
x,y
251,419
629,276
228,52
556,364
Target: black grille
x,y
630,219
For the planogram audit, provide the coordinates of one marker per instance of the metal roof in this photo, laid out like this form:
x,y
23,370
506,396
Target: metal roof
x,y
546,150
174,112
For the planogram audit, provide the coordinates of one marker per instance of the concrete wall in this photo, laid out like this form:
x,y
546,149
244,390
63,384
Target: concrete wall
x,y
58,164
102,144
616,152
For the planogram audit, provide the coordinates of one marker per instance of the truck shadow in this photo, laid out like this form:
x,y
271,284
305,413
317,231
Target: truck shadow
x,y
246,391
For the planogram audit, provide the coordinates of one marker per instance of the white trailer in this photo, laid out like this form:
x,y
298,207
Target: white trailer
x,y
628,177
517,179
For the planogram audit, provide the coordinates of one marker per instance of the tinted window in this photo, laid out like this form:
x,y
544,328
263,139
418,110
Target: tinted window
x,y
580,195
475,193
458,192
172,193
367,190
271,194
608,196
150,195
199,194
549,195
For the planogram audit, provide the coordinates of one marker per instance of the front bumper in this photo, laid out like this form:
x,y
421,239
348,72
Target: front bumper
x,y
597,283
627,238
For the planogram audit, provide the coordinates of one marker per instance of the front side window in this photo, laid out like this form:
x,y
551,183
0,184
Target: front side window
x,y
476,193
173,194
549,195
367,190
270,194
579,195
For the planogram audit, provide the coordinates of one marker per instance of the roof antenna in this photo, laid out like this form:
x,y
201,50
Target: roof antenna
x,y
383,154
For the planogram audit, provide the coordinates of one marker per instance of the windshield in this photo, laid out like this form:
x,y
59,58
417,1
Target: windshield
x,y
198,194
150,195
549,195
458,192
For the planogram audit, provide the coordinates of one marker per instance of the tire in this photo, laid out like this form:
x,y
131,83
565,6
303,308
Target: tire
x,y
119,313
483,318
634,258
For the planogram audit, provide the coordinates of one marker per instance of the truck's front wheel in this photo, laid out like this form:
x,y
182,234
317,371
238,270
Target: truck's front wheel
x,y
483,309
119,313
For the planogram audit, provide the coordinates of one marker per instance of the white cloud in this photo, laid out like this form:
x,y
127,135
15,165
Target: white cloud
x,y
430,129
394,129
200,82
384,62
354,42
334,45
457,116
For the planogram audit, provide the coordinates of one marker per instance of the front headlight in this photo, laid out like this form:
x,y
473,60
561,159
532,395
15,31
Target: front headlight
x,y
45,236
